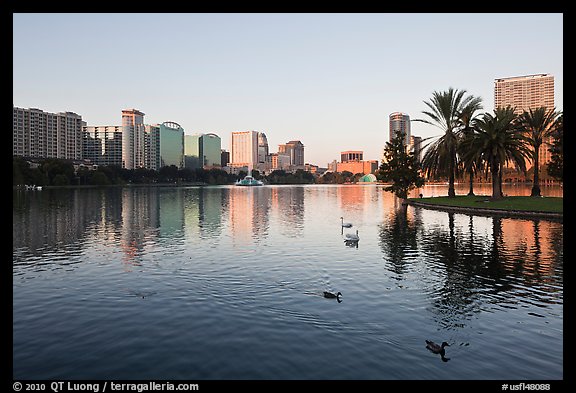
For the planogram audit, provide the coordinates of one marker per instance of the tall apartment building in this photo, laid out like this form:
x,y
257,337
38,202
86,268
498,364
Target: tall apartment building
x,y
244,149
152,146
524,93
102,145
133,155
36,133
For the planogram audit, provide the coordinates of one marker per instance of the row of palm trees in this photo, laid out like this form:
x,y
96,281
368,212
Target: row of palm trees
x,y
472,142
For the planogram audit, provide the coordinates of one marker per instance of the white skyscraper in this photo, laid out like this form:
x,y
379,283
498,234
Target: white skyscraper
x,y
133,139
244,149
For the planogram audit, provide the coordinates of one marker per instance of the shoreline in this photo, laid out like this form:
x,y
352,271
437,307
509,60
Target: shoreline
x,y
487,211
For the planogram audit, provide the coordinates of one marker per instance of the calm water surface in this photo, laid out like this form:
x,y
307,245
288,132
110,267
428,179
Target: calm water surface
x,y
226,283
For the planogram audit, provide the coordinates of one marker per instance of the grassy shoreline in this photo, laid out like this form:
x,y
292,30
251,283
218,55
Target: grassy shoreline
x,y
511,205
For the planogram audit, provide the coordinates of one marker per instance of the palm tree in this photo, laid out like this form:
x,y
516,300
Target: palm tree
x,y
537,124
497,141
556,164
440,158
467,117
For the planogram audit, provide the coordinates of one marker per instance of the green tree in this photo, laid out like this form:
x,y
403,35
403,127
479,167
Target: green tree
x,y
556,164
99,178
440,158
400,167
497,141
537,124
346,176
58,171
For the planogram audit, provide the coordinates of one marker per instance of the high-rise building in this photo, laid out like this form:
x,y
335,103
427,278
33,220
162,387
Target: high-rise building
x,y
152,146
263,150
36,133
224,158
202,151
171,138
294,149
244,149
133,143
399,122
524,93
102,145
211,150
192,151
416,145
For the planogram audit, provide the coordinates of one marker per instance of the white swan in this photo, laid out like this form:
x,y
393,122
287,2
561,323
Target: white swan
x,y
345,224
351,237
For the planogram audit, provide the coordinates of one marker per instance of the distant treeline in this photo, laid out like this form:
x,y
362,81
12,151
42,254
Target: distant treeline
x,y
60,172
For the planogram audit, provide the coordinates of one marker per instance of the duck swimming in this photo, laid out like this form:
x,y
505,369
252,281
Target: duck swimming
x,y
438,349
330,295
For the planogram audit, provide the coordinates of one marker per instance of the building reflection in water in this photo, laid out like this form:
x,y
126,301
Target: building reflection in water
x,y
248,212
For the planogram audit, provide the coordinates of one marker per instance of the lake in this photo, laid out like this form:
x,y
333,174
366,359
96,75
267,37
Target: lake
x,y
227,282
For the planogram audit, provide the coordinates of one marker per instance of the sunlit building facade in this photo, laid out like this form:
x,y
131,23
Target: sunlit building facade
x,y
133,155
295,150
524,93
40,134
353,161
244,149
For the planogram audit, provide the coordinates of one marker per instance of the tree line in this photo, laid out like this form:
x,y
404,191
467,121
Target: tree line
x,y
60,172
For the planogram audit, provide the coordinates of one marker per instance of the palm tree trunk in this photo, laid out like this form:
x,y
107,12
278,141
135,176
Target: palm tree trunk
x,y
496,185
500,180
536,182
471,191
451,190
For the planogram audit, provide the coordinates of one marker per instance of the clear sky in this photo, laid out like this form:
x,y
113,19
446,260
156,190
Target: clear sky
x,y
329,80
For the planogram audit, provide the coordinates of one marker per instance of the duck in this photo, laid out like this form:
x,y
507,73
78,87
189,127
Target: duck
x,y
351,237
435,348
330,295
345,224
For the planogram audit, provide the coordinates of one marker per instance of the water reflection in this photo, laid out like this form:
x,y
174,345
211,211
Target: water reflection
x,y
216,273
474,263
398,238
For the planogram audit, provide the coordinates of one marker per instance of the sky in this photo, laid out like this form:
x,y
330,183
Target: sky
x,y
330,80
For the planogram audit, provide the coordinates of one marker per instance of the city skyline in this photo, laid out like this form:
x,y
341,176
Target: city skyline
x,y
329,80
